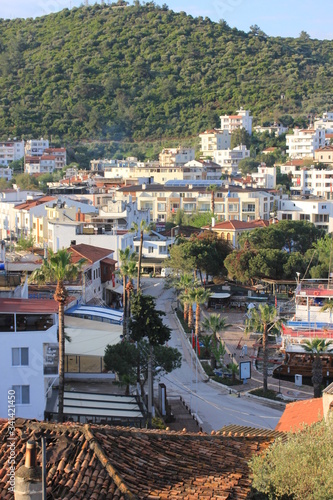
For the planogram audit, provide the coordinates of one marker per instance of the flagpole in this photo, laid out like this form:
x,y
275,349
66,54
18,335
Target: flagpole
x,y
191,371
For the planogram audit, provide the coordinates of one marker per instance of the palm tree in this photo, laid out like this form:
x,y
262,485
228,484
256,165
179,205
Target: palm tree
x,y
263,321
59,269
316,347
328,306
127,267
185,283
200,295
188,298
212,188
144,226
214,323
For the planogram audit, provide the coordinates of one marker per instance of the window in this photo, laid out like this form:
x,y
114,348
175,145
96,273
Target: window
x,y
22,394
162,250
161,207
150,249
20,356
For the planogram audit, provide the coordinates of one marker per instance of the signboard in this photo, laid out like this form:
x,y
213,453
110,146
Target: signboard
x,y
245,370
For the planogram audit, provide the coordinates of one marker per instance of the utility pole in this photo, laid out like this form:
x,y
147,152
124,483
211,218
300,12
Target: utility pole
x,y
150,388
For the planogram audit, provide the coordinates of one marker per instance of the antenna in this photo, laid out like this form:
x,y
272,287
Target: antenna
x,y
86,3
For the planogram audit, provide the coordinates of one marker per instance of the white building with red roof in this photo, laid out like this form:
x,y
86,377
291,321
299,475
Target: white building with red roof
x,y
243,119
230,230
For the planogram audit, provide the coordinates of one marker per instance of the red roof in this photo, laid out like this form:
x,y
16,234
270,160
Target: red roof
x,y
55,150
34,203
89,252
235,225
234,116
297,415
28,306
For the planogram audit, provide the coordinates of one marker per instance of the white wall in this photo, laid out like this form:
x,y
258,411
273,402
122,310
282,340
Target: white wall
x,y
31,375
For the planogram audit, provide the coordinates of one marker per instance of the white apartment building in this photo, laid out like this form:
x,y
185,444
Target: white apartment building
x,y
315,210
173,157
29,355
60,156
229,159
277,129
9,198
213,140
36,147
6,173
39,164
243,119
325,123
10,151
101,165
312,182
265,178
155,245
303,143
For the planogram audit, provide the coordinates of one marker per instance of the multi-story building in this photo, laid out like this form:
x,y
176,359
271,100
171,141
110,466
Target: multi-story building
x,y
174,157
60,156
9,198
230,230
11,151
324,154
29,355
303,143
36,147
312,181
315,210
234,203
265,178
229,158
325,123
213,140
243,119
39,164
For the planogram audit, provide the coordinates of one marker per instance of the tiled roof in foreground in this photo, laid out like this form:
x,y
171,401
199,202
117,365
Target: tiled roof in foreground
x,y
102,462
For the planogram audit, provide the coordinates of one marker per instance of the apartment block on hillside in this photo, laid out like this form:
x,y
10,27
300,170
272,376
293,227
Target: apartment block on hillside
x,y
11,151
243,119
304,142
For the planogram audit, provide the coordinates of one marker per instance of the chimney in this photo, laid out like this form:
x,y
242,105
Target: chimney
x,y
213,221
78,215
28,478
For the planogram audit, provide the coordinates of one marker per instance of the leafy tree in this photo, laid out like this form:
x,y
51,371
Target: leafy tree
x,y
123,359
248,166
263,321
59,269
279,471
320,255
25,181
239,137
180,261
147,322
316,347
25,243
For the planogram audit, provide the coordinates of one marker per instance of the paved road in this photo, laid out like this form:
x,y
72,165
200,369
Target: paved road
x,y
213,405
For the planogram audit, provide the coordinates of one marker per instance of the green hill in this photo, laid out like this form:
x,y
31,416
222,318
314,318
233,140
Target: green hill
x,y
117,73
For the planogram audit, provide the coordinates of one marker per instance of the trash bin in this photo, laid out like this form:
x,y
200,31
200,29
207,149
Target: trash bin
x,y
298,380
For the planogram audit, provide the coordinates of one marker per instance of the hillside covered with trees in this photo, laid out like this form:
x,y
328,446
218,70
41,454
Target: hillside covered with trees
x,y
143,71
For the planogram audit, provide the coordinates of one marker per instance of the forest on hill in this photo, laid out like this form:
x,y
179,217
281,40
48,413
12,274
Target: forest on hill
x,y
143,71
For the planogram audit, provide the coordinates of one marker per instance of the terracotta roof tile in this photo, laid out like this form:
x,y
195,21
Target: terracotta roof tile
x,y
103,462
27,205
301,413
88,252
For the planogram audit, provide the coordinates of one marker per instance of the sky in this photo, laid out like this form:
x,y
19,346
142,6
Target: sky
x,y
274,17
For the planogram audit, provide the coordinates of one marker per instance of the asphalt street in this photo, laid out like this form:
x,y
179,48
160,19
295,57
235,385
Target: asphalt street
x,y
214,406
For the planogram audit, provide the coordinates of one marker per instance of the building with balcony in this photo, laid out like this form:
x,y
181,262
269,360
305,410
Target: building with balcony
x,y
6,173
265,178
229,159
214,140
277,129
325,123
315,210
243,119
45,164
303,143
35,147
29,355
174,157
60,156
10,151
